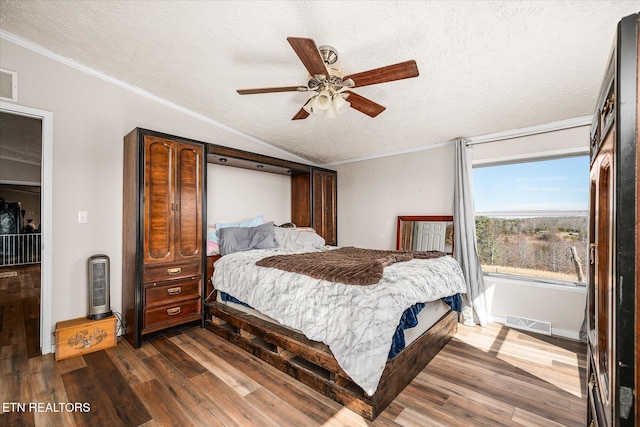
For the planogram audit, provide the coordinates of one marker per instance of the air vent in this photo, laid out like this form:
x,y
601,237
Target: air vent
x,y
8,85
531,325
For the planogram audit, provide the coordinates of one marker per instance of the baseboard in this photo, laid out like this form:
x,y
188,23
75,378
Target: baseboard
x,y
562,333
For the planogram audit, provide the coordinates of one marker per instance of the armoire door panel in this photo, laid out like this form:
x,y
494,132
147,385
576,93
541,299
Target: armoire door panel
x,y
189,202
602,277
605,235
324,205
158,200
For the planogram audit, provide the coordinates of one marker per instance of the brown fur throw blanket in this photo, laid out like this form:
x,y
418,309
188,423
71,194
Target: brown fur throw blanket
x,y
349,265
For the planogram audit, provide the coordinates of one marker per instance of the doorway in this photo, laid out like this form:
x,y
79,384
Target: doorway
x,y
9,113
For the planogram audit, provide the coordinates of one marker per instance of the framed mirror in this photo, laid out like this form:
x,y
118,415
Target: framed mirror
x,y
425,233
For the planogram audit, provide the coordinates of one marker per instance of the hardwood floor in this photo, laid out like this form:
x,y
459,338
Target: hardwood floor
x,y
20,302
484,377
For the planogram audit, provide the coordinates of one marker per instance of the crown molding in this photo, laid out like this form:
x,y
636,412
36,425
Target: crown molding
x,y
138,91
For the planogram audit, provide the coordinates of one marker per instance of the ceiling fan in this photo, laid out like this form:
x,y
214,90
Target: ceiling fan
x,y
331,88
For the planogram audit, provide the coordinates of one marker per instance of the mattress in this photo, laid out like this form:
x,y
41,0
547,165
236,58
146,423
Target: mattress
x,y
428,316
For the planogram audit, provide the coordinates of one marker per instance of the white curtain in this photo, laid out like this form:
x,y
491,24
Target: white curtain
x,y
465,247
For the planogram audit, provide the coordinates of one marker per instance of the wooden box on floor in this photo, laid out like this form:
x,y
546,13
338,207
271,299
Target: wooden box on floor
x,y
81,336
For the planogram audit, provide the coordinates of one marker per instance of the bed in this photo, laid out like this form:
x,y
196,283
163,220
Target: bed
x,y
340,339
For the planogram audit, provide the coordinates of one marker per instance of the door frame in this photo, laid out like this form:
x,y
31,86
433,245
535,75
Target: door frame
x,y
46,208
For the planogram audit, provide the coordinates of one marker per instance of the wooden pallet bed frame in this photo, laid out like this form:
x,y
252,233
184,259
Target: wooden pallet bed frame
x,y
312,363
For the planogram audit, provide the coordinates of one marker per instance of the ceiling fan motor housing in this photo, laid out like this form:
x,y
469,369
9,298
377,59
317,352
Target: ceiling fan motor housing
x,y
329,54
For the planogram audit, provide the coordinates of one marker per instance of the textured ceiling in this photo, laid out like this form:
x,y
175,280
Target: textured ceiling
x,y
485,66
20,139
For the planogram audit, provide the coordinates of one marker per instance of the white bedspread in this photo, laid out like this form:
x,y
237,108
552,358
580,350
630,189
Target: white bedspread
x,y
356,322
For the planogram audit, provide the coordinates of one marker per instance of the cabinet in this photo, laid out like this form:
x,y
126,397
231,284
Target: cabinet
x,y
613,297
314,202
324,204
163,237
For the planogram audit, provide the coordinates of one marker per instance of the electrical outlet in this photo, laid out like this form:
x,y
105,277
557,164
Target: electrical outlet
x,y
82,217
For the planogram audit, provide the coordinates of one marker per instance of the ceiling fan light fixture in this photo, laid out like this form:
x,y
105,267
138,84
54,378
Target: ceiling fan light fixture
x,y
323,100
340,104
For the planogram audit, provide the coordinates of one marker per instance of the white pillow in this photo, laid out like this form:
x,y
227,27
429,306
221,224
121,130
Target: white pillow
x,y
251,222
292,239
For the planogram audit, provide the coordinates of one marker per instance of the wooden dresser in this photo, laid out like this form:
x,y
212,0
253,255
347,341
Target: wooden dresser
x,y
614,237
163,241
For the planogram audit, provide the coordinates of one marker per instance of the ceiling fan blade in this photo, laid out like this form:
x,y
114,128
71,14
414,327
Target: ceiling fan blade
x,y
308,53
272,89
363,104
403,70
302,114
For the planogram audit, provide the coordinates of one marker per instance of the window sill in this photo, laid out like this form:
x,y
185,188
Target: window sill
x,y
574,287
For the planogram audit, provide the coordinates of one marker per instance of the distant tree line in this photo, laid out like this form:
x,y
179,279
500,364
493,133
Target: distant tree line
x,y
539,243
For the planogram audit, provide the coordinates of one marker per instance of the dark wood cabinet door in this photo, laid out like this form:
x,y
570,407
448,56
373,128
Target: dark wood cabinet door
x,y
301,199
158,221
601,278
188,202
325,205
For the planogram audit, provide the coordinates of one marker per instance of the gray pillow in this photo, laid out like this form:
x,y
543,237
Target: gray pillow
x,y
236,239
296,240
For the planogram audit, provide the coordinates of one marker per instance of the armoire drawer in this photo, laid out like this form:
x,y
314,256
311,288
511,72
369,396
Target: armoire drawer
x,y
167,293
168,315
162,272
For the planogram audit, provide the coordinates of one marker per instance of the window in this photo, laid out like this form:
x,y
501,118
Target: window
x,y
532,218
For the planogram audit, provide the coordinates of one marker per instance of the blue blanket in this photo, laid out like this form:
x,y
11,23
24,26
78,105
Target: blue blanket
x,y
409,319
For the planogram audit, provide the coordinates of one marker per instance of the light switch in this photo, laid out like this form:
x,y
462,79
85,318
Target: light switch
x,y
82,217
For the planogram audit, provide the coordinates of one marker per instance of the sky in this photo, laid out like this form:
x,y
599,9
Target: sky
x,y
559,184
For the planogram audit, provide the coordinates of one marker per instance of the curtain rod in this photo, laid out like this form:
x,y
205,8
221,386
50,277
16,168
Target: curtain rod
x,y
531,130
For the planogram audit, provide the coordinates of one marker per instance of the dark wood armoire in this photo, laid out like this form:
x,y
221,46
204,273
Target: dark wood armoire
x,y
613,294
163,241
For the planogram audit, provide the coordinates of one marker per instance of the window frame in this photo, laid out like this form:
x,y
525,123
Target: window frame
x,y
529,158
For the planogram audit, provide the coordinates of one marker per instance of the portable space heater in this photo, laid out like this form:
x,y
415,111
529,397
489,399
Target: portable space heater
x,y
99,304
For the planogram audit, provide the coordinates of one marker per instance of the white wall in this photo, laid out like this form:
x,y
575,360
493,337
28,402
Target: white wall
x,y
372,193
562,306
266,194
559,142
91,115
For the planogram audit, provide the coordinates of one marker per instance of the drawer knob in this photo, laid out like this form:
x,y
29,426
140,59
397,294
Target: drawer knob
x,y
176,270
173,311
174,291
